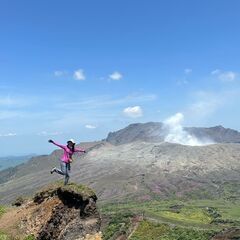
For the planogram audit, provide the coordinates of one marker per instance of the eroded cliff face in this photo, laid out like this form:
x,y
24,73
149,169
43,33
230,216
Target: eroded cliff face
x,y
61,213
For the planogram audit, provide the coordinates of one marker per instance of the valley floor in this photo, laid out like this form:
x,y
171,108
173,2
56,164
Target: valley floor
x,y
163,220
170,220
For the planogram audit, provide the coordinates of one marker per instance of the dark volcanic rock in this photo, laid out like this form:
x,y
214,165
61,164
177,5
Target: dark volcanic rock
x,y
18,201
63,213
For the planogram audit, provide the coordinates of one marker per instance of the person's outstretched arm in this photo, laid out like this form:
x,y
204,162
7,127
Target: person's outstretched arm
x,y
59,145
79,150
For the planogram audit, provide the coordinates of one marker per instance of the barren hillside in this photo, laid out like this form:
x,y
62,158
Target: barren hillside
x,y
144,170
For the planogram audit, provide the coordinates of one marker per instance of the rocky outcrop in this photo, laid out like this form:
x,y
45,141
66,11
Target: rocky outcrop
x,y
60,212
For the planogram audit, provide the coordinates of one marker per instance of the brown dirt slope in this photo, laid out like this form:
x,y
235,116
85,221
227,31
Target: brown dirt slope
x,y
56,212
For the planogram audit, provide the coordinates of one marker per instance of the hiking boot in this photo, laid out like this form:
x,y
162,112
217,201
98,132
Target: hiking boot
x,y
53,170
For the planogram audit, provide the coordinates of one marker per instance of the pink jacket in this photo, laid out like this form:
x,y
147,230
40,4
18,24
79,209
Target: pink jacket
x,y
67,152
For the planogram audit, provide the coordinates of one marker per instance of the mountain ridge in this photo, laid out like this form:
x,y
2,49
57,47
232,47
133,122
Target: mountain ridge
x,y
143,169
138,168
155,132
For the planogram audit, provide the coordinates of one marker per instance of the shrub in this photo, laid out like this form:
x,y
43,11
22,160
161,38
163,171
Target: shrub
x,y
2,210
30,237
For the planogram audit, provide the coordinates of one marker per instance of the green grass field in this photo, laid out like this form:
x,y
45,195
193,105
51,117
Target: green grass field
x,y
166,220
152,231
2,210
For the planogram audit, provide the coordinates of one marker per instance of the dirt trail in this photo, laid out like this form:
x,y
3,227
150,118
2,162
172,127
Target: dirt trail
x,y
135,224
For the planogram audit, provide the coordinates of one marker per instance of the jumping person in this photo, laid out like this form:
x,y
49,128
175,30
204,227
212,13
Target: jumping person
x,y
66,158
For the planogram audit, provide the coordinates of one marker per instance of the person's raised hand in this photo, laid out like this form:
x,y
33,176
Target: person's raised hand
x,y
50,141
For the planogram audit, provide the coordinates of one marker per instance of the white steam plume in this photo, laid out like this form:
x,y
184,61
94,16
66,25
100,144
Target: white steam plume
x,y
177,134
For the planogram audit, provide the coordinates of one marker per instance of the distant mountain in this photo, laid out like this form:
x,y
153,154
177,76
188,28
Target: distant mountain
x,y
155,132
135,163
218,134
12,161
139,170
149,132
36,164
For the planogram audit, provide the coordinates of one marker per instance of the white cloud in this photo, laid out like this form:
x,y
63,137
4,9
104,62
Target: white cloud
x,y
59,73
187,70
45,133
215,72
206,103
9,101
115,76
79,75
227,76
8,135
204,108
182,82
90,126
133,112
108,101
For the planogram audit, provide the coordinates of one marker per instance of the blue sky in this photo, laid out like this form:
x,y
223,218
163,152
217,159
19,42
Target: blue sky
x,y
81,68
